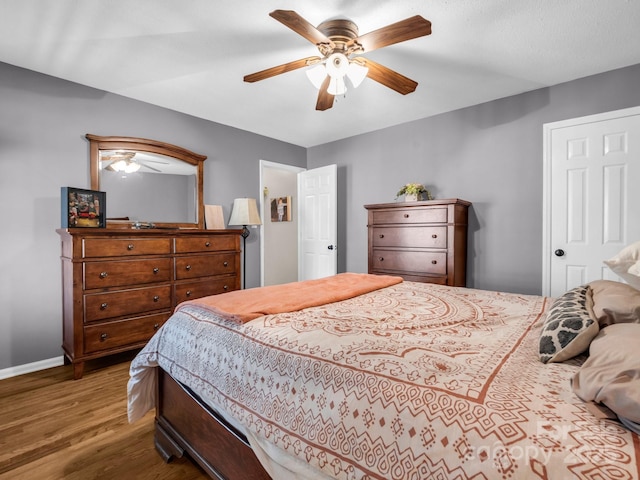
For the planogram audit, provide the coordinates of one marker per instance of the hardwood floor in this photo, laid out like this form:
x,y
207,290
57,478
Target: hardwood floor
x,y
54,427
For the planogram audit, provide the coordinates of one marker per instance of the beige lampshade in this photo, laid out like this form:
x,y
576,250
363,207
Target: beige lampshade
x,y
245,212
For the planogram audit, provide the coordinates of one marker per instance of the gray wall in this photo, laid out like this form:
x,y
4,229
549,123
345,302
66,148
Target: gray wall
x,y
43,121
489,154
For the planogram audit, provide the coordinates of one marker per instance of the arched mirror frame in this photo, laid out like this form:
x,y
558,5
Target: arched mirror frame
x,y
98,143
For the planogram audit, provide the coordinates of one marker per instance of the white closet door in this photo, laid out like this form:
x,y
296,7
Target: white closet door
x,y
592,199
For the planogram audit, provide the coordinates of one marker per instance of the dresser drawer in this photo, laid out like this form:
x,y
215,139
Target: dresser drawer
x,y
433,263
126,272
122,333
99,306
206,244
119,247
427,237
195,266
192,290
410,215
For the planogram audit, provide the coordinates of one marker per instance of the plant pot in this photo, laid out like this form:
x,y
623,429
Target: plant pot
x,y
411,198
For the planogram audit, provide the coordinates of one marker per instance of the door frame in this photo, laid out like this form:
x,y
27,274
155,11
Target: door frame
x,y
548,128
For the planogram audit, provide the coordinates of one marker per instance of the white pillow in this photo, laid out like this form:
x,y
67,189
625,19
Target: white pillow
x,y
626,264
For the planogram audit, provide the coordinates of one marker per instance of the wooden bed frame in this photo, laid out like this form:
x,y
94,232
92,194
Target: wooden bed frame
x,y
185,424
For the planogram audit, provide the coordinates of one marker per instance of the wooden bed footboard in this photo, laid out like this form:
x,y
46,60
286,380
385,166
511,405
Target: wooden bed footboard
x,y
185,424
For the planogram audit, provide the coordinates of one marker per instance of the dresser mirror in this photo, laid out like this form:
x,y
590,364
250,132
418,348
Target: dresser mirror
x,y
148,183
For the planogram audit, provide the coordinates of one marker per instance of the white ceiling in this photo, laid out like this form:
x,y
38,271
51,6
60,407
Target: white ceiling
x,y
191,55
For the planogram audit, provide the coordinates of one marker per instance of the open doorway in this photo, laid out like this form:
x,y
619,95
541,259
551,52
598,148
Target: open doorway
x,y
298,238
279,236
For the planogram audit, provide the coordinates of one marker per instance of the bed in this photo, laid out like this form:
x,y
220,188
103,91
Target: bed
x,y
387,380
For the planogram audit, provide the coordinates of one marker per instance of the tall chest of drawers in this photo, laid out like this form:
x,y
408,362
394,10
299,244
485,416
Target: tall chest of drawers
x,y
419,241
119,286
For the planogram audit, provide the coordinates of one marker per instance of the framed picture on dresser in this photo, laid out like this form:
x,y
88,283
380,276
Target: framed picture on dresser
x,y
83,208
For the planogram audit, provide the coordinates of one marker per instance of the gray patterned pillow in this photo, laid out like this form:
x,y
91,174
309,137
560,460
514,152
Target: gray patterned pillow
x,y
569,327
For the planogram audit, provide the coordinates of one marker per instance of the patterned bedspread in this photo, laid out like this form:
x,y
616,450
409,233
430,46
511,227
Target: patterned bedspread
x,y
414,381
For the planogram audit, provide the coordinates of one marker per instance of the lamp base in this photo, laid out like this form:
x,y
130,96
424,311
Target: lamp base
x,y
244,235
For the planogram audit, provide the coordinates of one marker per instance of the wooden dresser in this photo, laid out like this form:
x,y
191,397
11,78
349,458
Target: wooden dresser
x,y
419,241
119,285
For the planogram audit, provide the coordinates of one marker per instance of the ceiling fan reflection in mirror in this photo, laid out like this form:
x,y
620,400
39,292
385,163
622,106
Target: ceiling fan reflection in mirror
x,y
340,47
124,161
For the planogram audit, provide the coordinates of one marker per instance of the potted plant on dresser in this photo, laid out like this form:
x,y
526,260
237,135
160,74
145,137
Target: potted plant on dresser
x,y
413,192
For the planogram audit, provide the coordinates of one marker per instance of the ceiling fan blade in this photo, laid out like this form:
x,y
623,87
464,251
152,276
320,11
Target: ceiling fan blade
x,y
150,167
401,31
325,99
388,77
287,67
295,22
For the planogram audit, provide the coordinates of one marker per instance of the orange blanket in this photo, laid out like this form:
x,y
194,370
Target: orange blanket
x,y
241,306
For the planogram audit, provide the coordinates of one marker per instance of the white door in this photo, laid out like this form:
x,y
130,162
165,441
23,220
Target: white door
x,y
591,200
317,223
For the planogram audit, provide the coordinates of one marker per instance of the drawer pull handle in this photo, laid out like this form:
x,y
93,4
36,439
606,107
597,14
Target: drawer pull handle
x,y
226,264
406,215
156,298
103,306
103,337
207,244
381,259
155,270
434,262
104,274
156,326
434,236
226,287
188,293
188,267
381,235
131,246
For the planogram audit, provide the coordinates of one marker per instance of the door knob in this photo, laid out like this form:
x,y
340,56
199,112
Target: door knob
x,y
331,247
559,252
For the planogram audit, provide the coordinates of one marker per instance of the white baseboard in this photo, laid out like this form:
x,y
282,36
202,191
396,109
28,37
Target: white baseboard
x,y
31,367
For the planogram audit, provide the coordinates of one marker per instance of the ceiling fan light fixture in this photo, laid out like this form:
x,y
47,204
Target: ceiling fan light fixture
x,y
356,73
132,167
126,166
317,74
118,166
337,65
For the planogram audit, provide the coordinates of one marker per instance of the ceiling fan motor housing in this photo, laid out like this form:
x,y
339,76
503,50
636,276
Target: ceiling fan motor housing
x,y
339,29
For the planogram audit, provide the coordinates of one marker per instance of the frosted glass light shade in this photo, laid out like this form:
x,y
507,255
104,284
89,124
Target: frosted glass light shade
x,y
132,167
356,73
244,212
337,86
316,75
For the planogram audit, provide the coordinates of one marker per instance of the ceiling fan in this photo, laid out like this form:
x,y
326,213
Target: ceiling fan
x,y
123,161
340,45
